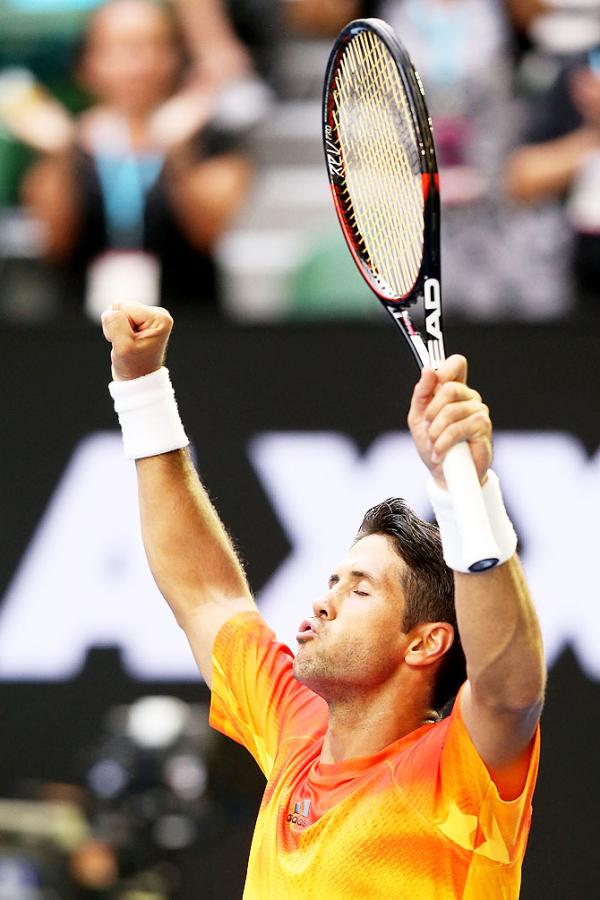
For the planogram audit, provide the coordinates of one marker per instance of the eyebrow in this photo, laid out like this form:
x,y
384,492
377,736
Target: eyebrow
x,y
355,573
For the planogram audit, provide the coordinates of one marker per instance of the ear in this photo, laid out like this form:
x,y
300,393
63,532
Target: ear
x,y
428,642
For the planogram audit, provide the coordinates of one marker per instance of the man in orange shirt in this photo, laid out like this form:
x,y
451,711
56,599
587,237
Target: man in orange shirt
x,y
370,793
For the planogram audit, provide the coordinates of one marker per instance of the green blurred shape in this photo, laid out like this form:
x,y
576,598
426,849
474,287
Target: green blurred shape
x,y
14,160
327,284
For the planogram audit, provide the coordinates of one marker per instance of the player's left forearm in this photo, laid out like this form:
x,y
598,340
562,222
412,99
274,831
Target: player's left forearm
x,y
501,637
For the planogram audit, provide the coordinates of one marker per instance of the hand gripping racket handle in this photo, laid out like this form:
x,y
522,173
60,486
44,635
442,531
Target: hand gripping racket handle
x,y
480,551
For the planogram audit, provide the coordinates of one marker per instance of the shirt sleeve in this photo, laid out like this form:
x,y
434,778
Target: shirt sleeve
x,y
471,811
256,699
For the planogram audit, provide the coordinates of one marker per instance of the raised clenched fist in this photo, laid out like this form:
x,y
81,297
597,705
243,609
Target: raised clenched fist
x,y
139,336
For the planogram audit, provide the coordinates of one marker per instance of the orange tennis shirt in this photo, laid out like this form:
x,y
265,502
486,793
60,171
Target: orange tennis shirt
x,y
421,819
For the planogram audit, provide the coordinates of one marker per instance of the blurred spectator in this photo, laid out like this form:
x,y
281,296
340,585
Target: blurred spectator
x,y
222,50
561,158
148,171
495,262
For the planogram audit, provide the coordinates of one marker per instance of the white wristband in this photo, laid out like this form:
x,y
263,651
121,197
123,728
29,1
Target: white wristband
x,y
148,415
501,526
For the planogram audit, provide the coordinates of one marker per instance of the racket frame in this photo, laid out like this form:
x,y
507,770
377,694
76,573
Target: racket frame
x,y
478,543
427,286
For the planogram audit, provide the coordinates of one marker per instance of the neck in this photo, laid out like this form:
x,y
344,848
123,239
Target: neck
x,y
138,127
363,724
119,129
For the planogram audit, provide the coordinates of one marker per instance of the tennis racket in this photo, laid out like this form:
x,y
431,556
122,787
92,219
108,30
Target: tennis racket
x,y
382,167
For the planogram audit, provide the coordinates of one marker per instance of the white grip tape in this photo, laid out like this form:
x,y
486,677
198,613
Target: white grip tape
x,y
502,529
148,415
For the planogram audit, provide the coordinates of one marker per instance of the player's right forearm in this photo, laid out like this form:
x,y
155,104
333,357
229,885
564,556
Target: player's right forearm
x,y
189,552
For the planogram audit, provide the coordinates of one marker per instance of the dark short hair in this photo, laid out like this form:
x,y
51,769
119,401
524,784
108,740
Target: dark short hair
x,y
428,584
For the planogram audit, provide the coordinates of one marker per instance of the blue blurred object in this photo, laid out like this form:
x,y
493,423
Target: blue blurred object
x,y
19,878
51,6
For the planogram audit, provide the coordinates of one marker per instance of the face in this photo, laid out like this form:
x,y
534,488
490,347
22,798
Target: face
x,y
132,58
354,640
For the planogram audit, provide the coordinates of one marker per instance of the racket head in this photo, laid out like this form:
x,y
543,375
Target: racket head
x,y
382,167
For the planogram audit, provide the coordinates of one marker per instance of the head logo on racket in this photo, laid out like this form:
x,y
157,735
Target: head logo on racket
x,y
433,324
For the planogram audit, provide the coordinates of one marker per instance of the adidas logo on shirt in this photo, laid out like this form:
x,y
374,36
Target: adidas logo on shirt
x,y
300,814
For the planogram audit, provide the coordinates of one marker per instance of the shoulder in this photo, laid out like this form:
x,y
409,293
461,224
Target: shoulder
x,y
442,743
417,757
245,628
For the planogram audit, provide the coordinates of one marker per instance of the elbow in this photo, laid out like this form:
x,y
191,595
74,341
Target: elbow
x,y
516,705
528,697
518,692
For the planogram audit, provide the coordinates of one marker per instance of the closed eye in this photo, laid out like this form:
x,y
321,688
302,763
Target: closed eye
x,y
360,593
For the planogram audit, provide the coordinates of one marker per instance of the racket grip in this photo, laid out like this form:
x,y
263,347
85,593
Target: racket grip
x,y
480,550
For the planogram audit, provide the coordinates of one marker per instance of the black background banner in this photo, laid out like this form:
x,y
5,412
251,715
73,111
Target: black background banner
x,y
233,383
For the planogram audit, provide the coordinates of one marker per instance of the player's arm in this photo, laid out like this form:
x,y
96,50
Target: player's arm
x,y
500,633
190,554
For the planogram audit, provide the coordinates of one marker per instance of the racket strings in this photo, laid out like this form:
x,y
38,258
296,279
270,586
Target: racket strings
x,y
381,161
381,221
388,155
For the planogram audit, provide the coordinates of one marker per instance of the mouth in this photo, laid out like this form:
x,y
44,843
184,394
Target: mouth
x,y
307,631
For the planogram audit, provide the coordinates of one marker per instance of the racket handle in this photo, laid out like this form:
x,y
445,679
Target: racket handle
x,y
479,547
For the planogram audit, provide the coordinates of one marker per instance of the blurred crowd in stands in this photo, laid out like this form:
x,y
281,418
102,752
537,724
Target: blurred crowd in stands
x,y
170,152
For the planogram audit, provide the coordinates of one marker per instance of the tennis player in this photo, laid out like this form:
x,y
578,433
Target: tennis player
x,y
370,793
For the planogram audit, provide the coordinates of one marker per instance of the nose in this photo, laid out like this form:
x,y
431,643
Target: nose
x,y
324,607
